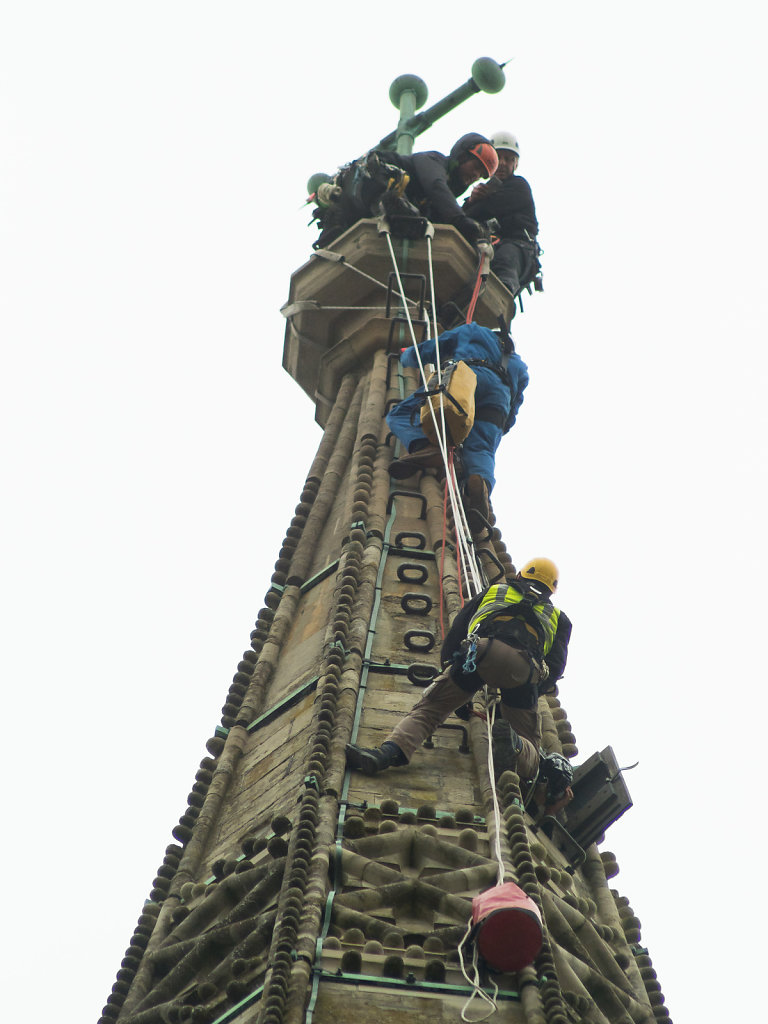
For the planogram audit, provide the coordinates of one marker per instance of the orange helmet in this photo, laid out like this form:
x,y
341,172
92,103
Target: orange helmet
x,y
486,154
478,146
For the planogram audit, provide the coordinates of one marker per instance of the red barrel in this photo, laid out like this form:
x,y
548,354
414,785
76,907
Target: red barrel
x,y
506,927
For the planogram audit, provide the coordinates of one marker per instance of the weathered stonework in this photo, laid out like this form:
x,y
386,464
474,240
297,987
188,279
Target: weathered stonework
x,y
298,891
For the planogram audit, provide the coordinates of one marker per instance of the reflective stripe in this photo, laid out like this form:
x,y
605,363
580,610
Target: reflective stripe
x,y
497,603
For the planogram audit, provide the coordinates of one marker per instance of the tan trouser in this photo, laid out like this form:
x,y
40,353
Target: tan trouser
x,y
499,666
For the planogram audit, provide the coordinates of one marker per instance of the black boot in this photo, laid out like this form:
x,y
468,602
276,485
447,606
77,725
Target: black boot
x,y
506,747
370,760
423,456
476,498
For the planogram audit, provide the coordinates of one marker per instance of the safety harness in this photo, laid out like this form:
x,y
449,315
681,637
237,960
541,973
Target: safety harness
x,y
510,607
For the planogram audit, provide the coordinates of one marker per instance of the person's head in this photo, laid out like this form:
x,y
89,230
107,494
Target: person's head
x,y
474,157
543,571
508,153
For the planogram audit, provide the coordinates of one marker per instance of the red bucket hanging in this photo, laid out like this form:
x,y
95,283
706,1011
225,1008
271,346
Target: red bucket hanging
x,y
506,927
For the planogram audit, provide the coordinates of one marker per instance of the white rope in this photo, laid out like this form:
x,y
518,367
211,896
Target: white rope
x,y
473,581
473,576
490,718
432,284
313,306
337,257
441,440
474,982
464,536
469,566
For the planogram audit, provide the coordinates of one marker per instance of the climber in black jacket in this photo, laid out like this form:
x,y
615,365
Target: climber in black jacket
x,y
507,198
434,181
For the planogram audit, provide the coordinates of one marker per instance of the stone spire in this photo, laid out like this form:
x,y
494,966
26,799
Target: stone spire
x,y
297,891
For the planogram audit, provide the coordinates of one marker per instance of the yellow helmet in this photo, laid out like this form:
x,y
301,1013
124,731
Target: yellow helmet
x,y
542,569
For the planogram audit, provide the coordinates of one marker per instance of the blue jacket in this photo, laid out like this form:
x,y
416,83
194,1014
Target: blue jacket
x,y
468,342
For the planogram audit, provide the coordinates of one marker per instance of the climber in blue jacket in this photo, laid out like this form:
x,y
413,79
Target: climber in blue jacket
x,y
501,379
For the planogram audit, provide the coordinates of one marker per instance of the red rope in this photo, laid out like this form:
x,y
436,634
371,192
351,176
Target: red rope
x,y
442,549
475,293
458,566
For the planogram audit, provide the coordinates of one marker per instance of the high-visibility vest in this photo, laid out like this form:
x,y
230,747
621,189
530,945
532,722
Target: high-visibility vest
x,y
503,602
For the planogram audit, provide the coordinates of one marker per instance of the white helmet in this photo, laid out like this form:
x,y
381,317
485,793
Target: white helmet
x,y
505,140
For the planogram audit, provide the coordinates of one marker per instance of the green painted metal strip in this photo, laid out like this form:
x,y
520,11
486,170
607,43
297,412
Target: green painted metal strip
x,y
416,553
319,576
476,820
428,986
285,703
385,666
236,1010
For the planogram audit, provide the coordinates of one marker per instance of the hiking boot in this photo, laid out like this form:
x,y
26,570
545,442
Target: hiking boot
x,y
370,760
476,497
506,747
428,457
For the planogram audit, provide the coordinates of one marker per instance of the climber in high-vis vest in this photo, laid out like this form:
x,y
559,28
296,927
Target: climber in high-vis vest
x,y
512,639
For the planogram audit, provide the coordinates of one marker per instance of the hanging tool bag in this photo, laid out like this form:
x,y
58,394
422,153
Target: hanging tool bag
x,y
456,393
506,927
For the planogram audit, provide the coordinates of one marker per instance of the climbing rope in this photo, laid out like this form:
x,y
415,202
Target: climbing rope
x,y
473,581
473,577
291,309
442,560
466,547
477,990
337,257
483,270
430,267
484,264
490,718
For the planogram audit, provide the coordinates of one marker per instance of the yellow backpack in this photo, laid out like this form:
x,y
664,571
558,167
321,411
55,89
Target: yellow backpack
x,y
456,394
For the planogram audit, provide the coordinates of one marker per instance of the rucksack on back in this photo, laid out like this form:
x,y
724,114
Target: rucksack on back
x,y
457,391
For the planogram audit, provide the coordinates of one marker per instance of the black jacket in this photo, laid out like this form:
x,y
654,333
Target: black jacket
x,y
511,203
433,187
556,659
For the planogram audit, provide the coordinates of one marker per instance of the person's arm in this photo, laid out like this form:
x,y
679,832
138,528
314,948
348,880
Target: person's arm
x,y
481,207
432,176
426,351
512,205
458,630
518,371
558,654
482,190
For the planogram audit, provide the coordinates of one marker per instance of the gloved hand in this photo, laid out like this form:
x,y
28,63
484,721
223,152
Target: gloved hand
x,y
484,189
472,230
327,192
464,712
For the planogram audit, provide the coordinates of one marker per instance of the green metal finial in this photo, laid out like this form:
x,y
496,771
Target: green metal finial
x,y
409,92
487,76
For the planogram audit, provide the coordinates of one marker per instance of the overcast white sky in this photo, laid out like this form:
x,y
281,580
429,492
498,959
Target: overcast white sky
x,y
153,164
